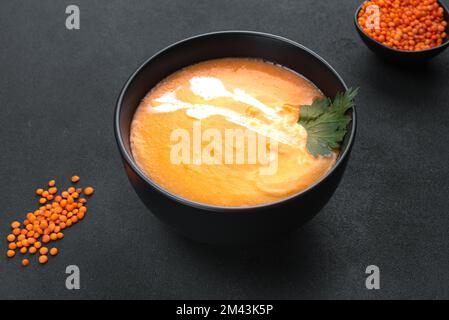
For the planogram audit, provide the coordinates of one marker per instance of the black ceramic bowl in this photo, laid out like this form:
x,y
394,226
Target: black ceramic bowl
x,y
227,225
400,56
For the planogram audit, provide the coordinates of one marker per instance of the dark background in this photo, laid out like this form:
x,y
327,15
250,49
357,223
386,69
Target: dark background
x,y
58,90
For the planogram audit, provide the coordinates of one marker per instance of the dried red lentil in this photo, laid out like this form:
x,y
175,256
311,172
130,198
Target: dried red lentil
x,y
44,225
410,25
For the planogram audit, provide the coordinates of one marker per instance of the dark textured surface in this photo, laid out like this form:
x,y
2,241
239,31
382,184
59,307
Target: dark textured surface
x,y
57,93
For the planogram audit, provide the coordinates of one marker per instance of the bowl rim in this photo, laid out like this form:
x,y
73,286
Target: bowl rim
x,y
441,46
215,208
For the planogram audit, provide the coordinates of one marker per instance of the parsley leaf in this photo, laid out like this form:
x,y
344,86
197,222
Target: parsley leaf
x,y
325,122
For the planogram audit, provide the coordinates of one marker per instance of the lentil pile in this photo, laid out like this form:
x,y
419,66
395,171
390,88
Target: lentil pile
x,y
45,225
409,25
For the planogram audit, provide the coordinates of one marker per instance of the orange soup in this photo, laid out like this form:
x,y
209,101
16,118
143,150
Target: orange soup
x,y
224,132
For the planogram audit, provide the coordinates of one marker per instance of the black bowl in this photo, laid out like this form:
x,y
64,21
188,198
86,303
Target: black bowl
x,y
226,225
400,56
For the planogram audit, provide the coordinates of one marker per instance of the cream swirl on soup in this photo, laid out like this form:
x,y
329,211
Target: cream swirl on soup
x,y
191,113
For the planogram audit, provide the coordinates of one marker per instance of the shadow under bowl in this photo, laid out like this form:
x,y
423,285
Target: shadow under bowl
x,y
229,225
401,56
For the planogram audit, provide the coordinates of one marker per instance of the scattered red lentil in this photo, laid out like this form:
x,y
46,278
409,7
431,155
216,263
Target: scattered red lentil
x,y
88,191
43,259
52,190
56,212
15,224
409,25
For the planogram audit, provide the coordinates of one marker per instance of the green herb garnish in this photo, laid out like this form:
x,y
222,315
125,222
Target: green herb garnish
x,y
326,122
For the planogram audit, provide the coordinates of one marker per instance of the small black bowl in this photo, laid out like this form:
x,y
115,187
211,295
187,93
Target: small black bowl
x,y
229,225
400,56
